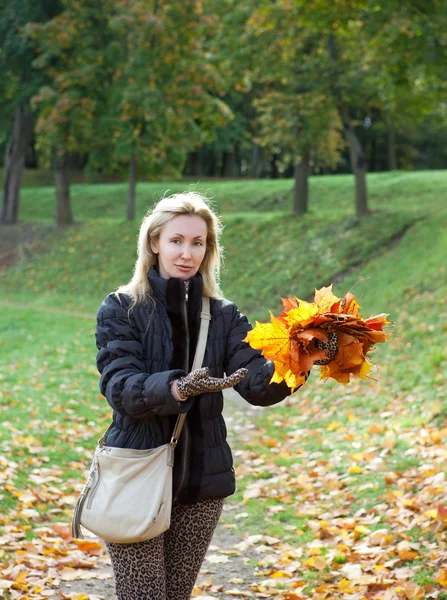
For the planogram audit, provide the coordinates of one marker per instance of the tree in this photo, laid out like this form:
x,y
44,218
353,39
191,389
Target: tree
x,y
131,84
73,56
305,129
408,50
228,154
340,96
372,63
166,93
320,68
281,61
18,83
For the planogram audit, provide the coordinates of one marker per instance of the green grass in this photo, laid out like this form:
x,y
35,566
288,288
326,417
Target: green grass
x,y
277,256
408,280
273,257
268,254
418,193
52,412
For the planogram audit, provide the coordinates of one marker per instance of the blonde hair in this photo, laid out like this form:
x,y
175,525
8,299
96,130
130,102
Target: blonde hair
x,y
186,203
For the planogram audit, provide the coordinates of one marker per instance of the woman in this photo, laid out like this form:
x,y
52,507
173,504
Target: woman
x,y
146,336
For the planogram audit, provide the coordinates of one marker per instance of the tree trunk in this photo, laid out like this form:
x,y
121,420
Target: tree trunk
x,y
211,164
196,164
14,162
392,154
274,172
372,156
257,160
301,191
358,163
230,167
132,189
61,171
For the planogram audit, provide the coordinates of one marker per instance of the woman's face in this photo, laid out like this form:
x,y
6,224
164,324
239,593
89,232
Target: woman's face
x,y
181,246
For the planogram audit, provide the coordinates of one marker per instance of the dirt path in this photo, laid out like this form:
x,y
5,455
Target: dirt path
x,y
228,569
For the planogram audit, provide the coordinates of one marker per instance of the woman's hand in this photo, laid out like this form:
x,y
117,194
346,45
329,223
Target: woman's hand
x,y
198,382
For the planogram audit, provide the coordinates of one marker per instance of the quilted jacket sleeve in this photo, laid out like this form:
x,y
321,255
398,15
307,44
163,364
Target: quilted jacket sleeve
x,y
124,382
255,387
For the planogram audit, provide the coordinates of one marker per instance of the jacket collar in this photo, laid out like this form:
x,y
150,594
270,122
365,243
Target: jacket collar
x,y
172,291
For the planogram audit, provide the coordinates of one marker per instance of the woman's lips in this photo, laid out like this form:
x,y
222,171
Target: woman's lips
x,y
184,267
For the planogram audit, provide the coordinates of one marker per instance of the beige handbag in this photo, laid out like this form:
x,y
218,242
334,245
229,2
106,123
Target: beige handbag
x,y
128,494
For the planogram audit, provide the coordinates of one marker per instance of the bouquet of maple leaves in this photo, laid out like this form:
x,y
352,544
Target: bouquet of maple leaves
x,y
299,338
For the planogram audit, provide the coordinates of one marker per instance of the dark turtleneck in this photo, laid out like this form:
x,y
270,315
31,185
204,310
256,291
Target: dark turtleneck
x,y
171,292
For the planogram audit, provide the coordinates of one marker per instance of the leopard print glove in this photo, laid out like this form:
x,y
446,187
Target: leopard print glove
x,y
331,347
198,381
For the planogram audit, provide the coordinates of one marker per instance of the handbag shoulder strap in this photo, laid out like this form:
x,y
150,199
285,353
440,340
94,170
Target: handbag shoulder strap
x,y
205,318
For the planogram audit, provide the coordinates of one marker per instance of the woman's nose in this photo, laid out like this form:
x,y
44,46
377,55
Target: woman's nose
x,y
186,251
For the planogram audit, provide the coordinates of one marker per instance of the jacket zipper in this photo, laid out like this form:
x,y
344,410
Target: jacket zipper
x,y
185,432
185,317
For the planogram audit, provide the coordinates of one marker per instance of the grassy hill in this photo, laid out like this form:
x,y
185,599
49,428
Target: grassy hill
x,y
268,253
362,439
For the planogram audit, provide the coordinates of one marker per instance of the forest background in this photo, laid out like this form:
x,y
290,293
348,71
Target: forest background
x,y
319,131
148,89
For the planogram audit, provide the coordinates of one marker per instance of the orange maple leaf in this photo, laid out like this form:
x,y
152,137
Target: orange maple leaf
x,y
326,300
350,306
289,303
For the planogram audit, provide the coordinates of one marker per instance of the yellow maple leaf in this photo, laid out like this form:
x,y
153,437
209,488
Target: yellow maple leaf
x,y
302,316
316,562
355,469
406,554
279,574
441,578
346,587
273,339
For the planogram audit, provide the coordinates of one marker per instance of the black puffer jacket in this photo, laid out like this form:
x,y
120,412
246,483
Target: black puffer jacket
x,y
141,351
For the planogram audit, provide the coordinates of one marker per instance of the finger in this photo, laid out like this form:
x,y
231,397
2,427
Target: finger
x,y
241,372
228,381
215,384
236,377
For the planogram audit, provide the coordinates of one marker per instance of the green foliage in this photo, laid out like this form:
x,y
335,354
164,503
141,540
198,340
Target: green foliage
x,y
75,55
18,80
128,81
385,60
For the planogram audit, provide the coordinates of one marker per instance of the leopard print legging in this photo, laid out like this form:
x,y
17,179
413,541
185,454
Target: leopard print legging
x,y
166,567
